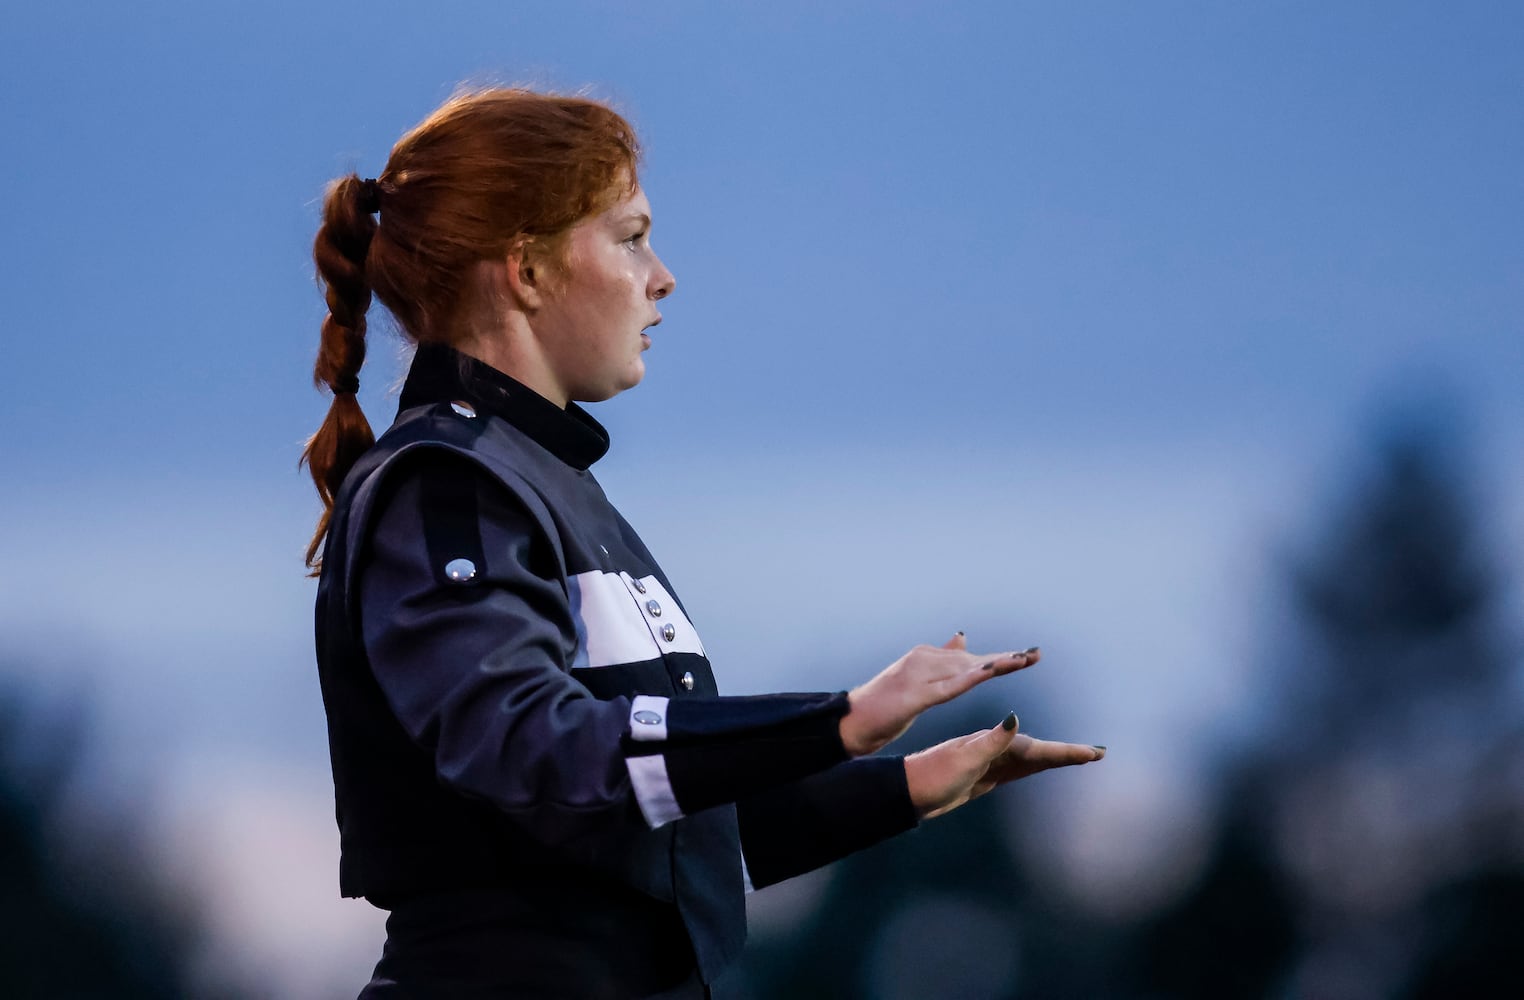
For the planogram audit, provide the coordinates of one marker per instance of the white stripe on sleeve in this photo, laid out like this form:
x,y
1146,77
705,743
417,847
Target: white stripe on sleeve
x,y
653,790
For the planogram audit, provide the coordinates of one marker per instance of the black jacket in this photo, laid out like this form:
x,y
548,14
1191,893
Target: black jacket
x,y
520,710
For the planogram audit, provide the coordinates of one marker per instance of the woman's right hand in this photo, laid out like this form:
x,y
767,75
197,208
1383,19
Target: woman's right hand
x,y
883,708
945,776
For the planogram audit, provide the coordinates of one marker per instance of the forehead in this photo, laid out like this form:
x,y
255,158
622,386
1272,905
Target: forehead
x,y
631,206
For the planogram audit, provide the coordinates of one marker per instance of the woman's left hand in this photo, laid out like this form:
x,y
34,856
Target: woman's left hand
x,y
883,708
944,777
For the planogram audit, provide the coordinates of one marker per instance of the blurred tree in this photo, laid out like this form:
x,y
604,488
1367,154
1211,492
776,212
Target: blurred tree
x,y
1471,947
1373,837
107,934
1232,934
1399,766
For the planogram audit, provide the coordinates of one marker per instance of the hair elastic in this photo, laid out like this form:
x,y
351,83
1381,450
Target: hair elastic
x,y
345,384
370,196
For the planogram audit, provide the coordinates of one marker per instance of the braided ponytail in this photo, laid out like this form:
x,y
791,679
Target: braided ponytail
x,y
342,244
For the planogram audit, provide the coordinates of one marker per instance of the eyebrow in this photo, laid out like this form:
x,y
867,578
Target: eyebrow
x,y
640,217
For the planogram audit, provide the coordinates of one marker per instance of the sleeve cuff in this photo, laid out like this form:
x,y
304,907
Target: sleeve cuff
x,y
689,754
795,829
648,719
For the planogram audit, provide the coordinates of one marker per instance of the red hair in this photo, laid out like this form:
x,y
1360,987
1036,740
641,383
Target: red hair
x,y
488,169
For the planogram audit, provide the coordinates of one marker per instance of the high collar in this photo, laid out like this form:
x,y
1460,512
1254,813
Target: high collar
x,y
441,374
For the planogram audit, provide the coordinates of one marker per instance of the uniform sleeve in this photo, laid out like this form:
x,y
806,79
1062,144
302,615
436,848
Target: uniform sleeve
x,y
804,825
466,621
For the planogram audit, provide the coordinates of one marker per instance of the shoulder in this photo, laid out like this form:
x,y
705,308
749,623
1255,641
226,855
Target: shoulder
x,y
446,442
439,473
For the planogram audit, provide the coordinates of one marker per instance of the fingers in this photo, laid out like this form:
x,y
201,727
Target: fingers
x,y
1005,663
1040,755
1066,754
1026,756
985,666
954,675
996,664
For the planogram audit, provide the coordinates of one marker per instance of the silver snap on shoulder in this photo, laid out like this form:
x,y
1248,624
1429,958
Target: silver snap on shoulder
x,y
463,408
460,570
688,680
669,631
654,608
640,588
647,718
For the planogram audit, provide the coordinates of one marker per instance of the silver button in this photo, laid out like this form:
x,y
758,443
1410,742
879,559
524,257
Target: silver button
x,y
688,680
669,631
460,570
463,408
640,588
646,717
654,608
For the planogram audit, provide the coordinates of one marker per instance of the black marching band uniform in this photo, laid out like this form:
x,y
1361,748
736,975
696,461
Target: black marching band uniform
x,y
534,770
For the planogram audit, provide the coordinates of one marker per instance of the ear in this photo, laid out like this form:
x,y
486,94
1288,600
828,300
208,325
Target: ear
x,y
525,275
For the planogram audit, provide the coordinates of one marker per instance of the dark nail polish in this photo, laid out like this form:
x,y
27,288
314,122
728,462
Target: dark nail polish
x,y
1030,650
988,666
960,631
1010,722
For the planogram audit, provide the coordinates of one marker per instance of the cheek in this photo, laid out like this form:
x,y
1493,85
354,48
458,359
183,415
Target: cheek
x,y
619,290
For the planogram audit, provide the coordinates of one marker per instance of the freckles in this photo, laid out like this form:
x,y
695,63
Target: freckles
x,y
626,279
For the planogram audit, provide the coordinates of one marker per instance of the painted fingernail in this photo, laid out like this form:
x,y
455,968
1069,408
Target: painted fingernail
x,y
988,666
1100,751
959,632
1009,723
1030,650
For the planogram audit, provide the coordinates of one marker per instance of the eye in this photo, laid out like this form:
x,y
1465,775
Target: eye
x,y
637,239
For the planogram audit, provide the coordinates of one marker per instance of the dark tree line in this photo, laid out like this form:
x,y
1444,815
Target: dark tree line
x,y
80,915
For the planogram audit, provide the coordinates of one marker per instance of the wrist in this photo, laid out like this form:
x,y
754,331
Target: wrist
x,y
916,784
849,728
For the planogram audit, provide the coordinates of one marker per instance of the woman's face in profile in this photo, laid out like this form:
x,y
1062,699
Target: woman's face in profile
x,y
595,315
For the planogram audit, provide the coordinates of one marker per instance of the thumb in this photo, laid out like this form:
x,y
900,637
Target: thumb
x,y
998,740
956,642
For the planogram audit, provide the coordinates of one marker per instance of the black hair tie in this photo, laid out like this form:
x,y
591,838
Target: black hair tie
x,y
370,196
345,384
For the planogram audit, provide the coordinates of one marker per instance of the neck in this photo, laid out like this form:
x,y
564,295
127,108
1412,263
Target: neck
x,y
508,344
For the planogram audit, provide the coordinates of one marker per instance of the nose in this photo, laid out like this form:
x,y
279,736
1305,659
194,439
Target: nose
x,y
662,282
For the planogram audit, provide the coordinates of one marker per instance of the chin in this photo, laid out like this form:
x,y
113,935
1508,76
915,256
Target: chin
x,y
597,394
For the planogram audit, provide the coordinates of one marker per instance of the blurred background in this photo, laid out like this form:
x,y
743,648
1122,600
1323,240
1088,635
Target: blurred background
x,y
1181,339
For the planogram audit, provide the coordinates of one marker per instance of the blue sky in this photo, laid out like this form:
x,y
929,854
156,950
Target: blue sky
x,y
1021,318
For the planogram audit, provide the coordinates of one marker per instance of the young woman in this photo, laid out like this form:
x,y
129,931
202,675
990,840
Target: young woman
x,y
534,769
